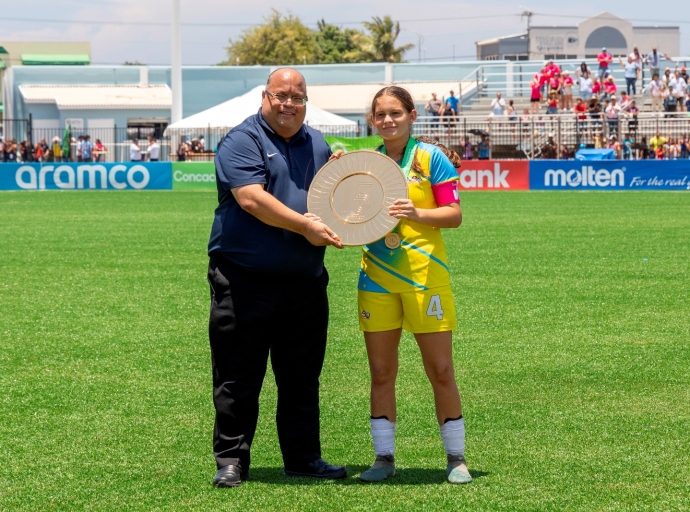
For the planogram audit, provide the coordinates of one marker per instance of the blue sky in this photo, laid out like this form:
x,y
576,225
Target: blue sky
x,y
140,30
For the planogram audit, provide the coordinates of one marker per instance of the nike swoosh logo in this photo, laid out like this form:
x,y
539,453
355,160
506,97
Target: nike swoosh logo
x,y
269,155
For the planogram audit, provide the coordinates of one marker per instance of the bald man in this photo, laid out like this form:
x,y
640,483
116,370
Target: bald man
x,y
268,284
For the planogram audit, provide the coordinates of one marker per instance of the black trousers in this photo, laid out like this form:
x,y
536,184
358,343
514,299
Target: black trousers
x,y
253,316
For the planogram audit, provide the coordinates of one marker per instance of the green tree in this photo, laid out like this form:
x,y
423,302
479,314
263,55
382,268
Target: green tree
x,y
337,45
379,45
282,40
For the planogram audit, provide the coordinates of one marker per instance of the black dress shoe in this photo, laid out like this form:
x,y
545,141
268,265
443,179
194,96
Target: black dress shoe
x,y
318,469
230,476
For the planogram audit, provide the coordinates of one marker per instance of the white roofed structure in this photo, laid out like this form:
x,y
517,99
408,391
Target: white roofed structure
x,y
233,112
98,96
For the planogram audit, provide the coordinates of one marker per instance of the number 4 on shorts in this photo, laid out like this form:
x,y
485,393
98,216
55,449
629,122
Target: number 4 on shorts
x,y
434,308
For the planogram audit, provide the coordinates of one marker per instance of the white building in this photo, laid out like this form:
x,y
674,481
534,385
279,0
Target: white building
x,y
585,40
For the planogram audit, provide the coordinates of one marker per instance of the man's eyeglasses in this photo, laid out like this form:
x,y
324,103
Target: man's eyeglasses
x,y
283,99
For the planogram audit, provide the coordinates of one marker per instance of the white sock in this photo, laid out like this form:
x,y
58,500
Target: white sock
x,y
383,433
453,435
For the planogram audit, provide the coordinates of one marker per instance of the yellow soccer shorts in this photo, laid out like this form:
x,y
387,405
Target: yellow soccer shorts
x,y
417,312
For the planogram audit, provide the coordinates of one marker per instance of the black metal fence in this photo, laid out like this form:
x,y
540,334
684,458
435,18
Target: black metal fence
x,y
521,137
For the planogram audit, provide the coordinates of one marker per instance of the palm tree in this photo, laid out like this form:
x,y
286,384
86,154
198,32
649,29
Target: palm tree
x,y
379,46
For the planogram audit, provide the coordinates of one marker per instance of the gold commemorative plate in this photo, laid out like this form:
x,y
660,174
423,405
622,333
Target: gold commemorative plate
x,y
352,195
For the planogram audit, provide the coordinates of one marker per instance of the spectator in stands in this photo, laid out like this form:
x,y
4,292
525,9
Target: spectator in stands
x,y
596,88
581,114
585,86
80,145
154,149
632,73
684,148
182,152
10,150
627,146
584,68
87,149
42,150
448,117
555,84
657,142
642,152
604,59
612,113
498,105
595,114
454,102
670,101
57,149
548,149
134,151
567,91
610,87
433,107
667,76
636,58
552,104
511,112
99,151
543,83
483,148
684,75
565,152
535,97
552,68
466,147
672,149
654,60
615,146
656,89
631,112
679,90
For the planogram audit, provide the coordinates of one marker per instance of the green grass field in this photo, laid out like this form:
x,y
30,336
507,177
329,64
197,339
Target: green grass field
x,y
572,355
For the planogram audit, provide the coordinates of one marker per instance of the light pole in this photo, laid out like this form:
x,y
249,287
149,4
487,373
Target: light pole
x,y
420,41
526,13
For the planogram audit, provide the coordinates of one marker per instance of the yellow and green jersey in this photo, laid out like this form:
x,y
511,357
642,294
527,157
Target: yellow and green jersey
x,y
420,262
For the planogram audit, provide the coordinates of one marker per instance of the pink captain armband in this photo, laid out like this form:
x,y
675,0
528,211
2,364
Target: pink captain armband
x,y
446,192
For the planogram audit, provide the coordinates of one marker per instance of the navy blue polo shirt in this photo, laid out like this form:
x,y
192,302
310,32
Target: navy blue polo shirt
x,y
252,153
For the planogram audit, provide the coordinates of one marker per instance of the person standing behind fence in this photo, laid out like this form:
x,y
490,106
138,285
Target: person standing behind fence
x,y
679,90
604,59
57,149
87,149
134,151
498,105
454,102
433,107
654,61
154,149
656,89
632,73
535,97
585,86
100,150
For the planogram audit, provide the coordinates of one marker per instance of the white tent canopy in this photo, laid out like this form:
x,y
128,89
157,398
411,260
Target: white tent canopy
x,y
231,113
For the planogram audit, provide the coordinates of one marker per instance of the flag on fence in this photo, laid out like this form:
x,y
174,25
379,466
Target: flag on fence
x,y
353,143
66,142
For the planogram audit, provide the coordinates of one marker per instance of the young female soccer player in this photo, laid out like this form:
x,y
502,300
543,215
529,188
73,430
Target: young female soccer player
x,y
404,283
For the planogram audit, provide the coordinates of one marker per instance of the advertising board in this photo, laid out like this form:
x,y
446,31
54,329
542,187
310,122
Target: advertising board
x,y
494,175
194,176
610,175
85,176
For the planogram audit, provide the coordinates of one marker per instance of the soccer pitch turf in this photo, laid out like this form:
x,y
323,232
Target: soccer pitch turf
x,y
572,356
